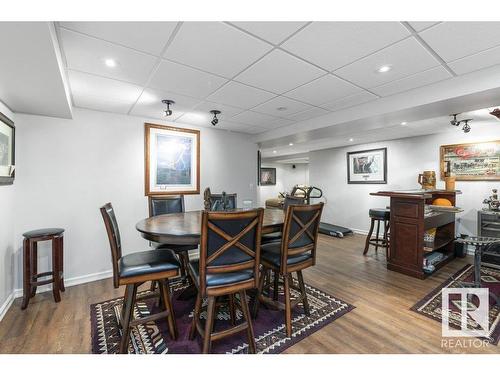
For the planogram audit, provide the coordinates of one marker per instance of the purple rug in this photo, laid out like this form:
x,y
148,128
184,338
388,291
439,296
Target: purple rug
x,y
153,337
430,305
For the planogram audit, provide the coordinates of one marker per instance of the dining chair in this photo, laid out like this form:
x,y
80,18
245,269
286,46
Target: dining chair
x,y
295,252
168,204
132,270
228,266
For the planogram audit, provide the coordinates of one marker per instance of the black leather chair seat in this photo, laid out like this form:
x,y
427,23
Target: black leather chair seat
x,y
271,237
147,262
271,253
220,279
43,232
176,248
380,213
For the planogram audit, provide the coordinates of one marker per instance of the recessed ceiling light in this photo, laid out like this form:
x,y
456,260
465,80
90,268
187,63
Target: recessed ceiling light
x,y
274,151
281,109
110,63
290,144
351,139
384,68
404,123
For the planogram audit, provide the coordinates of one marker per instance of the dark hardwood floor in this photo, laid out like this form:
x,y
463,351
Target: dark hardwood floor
x,y
381,323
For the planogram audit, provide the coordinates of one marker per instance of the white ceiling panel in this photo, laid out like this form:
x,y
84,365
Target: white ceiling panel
x,y
150,37
308,114
422,25
279,72
240,128
279,122
181,79
323,89
102,94
273,32
281,107
477,61
150,105
406,57
215,47
349,101
239,95
88,54
416,80
453,40
195,118
253,118
226,111
335,44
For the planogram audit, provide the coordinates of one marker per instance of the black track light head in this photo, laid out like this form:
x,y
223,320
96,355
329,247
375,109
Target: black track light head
x,y
215,120
168,102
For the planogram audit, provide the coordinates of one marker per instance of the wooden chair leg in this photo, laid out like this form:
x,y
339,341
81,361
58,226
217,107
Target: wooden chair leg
x,y
288,307
152,288
232,309
184,257
56,275
34,266
370,232
26,274
196,316
276,285
377,236
129,304
246,314
209,324
167,301
258,294
386,238
61,263
302,287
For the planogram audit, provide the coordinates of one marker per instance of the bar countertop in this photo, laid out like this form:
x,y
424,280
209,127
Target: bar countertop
x,y
416,193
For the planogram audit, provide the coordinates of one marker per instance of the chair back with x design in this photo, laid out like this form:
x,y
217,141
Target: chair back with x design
x,y
300,235
230,247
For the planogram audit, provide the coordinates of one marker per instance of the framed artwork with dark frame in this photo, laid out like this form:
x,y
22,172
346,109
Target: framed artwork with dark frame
x,y
267,176
367,166
172,160
7,150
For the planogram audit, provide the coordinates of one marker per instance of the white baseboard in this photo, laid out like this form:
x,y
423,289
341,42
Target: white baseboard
x,y
6,306
360,231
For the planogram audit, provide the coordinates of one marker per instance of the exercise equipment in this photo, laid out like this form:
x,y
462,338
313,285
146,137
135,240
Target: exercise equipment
x,y
334,230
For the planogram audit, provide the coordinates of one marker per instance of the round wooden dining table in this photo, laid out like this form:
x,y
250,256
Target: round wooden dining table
x,y
184,228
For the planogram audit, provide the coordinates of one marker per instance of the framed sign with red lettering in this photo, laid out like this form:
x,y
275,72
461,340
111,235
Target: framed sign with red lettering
x,y
471,161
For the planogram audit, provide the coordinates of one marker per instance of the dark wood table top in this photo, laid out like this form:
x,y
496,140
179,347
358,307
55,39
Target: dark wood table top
x,y
184,228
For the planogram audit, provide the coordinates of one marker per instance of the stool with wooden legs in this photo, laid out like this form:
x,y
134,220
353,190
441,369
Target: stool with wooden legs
x,y
30,263
228,266
378,215
132,270
294,253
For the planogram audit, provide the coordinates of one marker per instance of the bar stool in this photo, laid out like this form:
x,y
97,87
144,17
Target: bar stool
x,y
30,263
378,215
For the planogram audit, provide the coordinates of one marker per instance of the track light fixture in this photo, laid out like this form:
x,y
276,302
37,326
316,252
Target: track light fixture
x,y
454,121
466,127
168,102
215,120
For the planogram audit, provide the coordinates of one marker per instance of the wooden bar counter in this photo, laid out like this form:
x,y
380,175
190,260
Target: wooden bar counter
x,y
408,224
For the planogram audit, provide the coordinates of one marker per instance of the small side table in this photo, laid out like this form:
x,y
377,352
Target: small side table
x,y
30,263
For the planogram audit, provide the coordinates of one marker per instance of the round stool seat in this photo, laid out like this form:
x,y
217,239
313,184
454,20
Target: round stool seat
x,y
380,213
43,232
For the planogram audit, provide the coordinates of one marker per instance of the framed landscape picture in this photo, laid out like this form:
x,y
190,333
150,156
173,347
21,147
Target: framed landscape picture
x,y
471,161
172,160
7,150
367,167
267,176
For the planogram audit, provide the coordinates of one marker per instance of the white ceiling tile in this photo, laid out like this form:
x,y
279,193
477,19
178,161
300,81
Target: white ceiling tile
x,y
273,32
195,118
253,118
350,101
215,47
88,54
335,44
406,57
102,94
226,111
286,107
239,95
453,40
422,25
240,128
308,114
181,79
323,89
279,122
150,105
150,37
477,61
416,80
279,72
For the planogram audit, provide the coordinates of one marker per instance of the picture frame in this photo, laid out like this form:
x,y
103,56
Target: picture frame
x,y
172,160
473,161
267,176
367,166
7,150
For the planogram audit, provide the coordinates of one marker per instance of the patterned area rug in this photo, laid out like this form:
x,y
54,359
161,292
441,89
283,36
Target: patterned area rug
x,y
430,305
269,328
